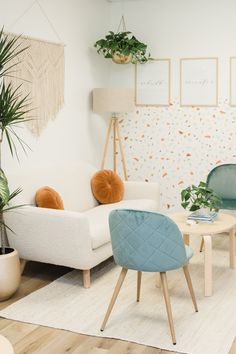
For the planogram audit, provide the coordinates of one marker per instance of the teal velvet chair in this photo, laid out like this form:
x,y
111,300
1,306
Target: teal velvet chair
x,y
147,242
222,179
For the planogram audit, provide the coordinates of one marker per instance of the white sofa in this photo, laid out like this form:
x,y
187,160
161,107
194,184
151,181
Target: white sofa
x,y
77,237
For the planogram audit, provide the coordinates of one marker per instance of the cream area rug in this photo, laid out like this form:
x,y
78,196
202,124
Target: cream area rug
x,y
65,304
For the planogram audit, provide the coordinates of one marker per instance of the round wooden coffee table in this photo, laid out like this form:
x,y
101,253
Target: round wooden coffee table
x,y
223,223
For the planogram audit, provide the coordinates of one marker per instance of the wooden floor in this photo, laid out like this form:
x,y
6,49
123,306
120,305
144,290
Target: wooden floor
x,y
29,339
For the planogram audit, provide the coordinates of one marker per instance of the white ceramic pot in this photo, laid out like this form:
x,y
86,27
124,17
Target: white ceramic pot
x,y
204,211
10,273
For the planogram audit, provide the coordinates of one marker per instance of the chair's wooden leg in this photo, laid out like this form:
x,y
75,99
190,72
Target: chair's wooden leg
x,y
114,296
22,265
190,286
168,305
139,277
202,245
86,278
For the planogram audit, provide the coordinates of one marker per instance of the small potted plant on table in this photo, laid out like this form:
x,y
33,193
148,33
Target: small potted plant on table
x,y
200,198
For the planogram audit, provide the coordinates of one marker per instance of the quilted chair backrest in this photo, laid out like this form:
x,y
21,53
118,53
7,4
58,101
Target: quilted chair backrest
x,y
146,241
222,179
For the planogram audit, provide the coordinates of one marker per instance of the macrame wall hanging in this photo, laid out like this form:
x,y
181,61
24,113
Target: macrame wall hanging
x,y
40,72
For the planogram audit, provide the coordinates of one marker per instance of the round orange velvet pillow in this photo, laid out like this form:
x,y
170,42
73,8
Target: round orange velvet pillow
x,y
47,197
107,187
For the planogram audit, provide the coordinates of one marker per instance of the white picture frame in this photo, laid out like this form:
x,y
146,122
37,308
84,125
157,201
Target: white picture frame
x,y
199,82
152,83
232,82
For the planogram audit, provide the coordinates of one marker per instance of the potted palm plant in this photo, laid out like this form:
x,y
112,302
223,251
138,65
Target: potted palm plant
x,y
122,48
13,111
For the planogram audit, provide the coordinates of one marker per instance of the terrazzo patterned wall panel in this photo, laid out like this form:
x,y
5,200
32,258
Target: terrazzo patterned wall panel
x,y
177,146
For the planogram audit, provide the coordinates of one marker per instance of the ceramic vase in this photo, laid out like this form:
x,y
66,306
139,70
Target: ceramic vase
x,y
10,273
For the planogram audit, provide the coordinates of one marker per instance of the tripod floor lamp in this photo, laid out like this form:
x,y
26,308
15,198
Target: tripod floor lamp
x,y
113,100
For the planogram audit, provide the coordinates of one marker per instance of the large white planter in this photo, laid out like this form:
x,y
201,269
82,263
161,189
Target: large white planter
x,y
10,273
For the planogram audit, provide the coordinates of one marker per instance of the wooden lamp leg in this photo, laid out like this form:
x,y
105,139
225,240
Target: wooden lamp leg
x,y
114,143
114,125
106,144
121,150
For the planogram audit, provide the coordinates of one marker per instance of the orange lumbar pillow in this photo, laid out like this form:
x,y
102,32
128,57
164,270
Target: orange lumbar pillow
x,y
47,197
107,187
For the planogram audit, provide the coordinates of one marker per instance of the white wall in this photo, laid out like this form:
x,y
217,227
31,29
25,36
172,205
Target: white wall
x,y
179,146
175,146
76,134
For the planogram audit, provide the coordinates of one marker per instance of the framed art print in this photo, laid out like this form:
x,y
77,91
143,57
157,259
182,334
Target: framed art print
x,y
152,83
199,82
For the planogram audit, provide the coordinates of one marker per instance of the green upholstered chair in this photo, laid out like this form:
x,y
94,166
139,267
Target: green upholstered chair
x,y
150,242
222,179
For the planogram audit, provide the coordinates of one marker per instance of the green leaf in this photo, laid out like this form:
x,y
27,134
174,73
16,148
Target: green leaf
x,y
4,190
9,49
13,111
194,208
185,205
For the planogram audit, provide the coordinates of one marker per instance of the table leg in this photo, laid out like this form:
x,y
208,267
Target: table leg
x,y
158,280
186,239
232,248
208,265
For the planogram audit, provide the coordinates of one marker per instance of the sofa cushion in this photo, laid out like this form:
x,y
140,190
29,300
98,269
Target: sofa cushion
x,y
47,197
71,180
107,187
98,217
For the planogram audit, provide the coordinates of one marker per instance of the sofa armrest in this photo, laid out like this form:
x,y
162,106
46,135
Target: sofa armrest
x,y
141,190
48,235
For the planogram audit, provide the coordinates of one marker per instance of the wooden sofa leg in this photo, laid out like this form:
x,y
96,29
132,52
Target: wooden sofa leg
x,y
86,278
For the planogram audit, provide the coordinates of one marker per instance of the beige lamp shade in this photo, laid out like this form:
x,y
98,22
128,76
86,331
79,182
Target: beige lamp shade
x,y
113,100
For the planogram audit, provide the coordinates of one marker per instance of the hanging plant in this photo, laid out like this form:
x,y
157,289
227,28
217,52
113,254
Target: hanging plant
x,y
122,48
